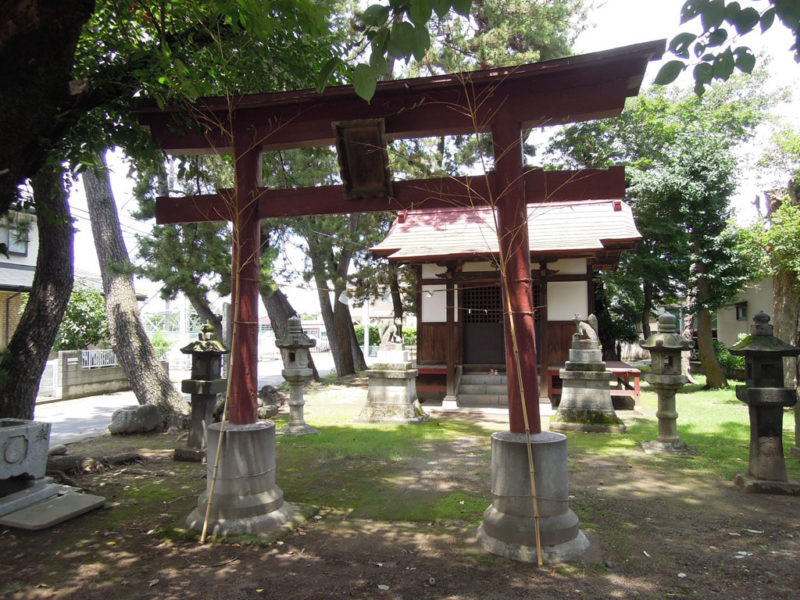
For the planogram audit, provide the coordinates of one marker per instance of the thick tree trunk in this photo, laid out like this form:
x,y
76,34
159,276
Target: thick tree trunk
x,y
203,310
715,374
397,299
37,52
647,309
280,310
134,351
786,319
22,365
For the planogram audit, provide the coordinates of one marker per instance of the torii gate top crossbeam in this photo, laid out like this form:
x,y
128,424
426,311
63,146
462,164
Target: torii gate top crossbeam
x,y
558,91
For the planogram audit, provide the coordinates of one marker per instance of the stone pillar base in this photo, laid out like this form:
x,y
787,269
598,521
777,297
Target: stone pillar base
x,y
297,430
246,498
392,396
751,485
450,402
508,527
795,451
586,401
674,448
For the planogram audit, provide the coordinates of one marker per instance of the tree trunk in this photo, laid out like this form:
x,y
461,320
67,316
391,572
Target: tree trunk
x,y
786,319
22,364
280,310
715,374
203,310
647,309
134,351
397,299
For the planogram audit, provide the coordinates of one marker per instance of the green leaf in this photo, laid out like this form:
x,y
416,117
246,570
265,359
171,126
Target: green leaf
x,y
420,12
327,70
364,81
713,14
422,42
717,37
703,73
401,40
669,72
680,44
746,20
731,11
745,59
699,48
723,65
441,7
462,6
692,8
375,15
377,62
767,19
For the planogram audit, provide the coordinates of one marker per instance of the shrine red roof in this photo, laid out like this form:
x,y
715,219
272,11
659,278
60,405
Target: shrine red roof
x,y
599,228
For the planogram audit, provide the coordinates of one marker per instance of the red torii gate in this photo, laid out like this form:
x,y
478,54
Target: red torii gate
x,y
502,101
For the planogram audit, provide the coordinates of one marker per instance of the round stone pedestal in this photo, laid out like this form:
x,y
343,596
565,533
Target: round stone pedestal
x,y
246,498
508,525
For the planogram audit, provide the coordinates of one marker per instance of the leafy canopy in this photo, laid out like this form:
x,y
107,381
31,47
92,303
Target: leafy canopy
x,y
716,52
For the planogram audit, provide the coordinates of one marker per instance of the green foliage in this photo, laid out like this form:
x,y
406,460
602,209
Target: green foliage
x,y
374,334
678,150
410,336
728,361
715,52
160,342
84,321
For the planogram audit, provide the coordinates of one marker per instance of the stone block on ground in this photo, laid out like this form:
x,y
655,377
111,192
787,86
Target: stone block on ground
x,y
135,419
23,448
52,511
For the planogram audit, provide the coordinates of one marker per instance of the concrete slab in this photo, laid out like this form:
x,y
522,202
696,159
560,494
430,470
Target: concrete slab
x,y
31,492
53,511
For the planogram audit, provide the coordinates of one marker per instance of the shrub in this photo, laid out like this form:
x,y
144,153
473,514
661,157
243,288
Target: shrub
x,y
732,364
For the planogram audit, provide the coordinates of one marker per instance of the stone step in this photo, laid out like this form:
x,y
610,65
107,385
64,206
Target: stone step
x,y
483,379
479,388
483,400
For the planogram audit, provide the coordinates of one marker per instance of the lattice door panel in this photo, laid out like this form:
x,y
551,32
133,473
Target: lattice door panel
x,y
482,305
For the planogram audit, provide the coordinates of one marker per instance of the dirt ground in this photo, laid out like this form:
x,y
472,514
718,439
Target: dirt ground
x,y
662,535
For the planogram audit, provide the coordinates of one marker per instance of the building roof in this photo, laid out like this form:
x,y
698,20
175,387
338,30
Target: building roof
x,y
595,228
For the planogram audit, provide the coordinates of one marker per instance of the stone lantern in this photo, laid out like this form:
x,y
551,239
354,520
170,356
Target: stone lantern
x,y
665,376
295,352
766,398
204,386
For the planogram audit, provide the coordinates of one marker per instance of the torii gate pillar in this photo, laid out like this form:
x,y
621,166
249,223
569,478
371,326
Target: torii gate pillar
x,y
512,224
246,498
244,289
510,524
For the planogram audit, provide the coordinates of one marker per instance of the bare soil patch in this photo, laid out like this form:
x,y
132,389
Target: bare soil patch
x,y
663,534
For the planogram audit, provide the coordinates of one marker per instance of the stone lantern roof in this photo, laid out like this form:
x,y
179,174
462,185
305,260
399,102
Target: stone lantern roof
x,y
762,341
205,343
295,336
668,337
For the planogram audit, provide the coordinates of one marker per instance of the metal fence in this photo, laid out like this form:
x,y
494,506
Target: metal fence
x,y
96,359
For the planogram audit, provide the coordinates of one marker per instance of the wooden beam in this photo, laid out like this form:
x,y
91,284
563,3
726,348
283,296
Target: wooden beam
x,y
564,90
445,192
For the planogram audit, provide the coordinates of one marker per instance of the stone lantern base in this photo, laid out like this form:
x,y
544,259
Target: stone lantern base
x,y
751,485
508,527
246,498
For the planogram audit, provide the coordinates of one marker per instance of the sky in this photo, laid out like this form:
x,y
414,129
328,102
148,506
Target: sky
x,y
615,23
